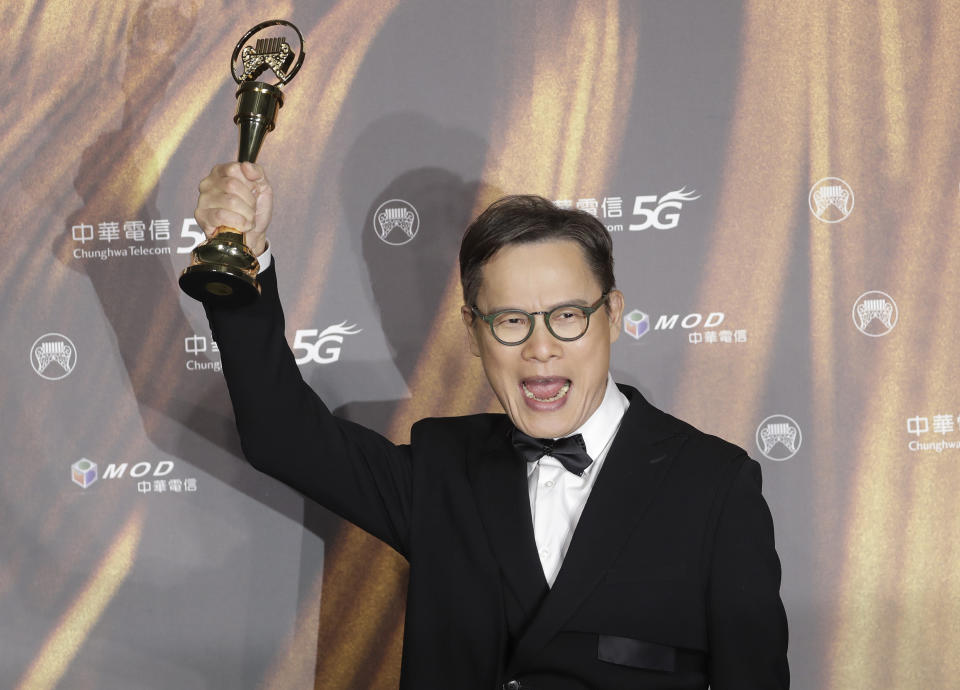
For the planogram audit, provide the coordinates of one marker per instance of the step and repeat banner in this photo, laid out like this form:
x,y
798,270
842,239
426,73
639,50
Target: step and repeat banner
x,y
780,180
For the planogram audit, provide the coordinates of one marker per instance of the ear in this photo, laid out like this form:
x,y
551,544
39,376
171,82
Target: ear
x,y
469,319
615,312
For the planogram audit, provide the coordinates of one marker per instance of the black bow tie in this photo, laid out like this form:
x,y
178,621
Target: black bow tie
x,y
571,451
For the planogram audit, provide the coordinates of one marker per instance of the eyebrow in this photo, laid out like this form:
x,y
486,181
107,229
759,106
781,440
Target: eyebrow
x,y
571,302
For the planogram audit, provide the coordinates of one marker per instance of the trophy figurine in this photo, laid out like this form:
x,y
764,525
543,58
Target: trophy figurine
x,y
223,271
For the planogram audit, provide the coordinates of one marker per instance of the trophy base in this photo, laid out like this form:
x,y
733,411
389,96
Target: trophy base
x,y
219,285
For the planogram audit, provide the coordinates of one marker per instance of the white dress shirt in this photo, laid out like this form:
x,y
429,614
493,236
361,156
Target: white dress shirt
x,y
557,497
265,258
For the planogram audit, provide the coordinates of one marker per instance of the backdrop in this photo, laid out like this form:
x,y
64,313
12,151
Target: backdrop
x,y
780,180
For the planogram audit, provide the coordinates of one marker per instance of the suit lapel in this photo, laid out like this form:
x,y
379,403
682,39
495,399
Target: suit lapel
x,y
499,480
631,472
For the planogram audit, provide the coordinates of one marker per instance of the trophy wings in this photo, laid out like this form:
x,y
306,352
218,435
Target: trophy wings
x,y
272,53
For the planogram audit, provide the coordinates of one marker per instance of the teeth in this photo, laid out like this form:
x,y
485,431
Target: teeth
x,y
560,393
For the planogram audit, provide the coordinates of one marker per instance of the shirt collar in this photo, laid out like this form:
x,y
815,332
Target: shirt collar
x,y
598,431
601,426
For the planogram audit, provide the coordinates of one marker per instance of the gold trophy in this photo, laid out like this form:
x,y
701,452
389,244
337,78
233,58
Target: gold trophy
x,y
223,271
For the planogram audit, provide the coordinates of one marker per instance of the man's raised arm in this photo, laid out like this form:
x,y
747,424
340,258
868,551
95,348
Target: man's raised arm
x,y
285,429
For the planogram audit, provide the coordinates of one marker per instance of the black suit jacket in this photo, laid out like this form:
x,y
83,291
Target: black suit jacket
x,y
671,579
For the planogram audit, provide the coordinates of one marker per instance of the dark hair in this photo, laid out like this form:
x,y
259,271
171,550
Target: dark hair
x,y
523,219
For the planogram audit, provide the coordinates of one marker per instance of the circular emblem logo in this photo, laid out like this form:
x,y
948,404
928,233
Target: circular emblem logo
x,y
53,356
778,437
396,222
271,51
831,199
875,313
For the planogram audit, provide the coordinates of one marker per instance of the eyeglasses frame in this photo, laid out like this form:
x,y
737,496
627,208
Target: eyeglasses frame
x,y
588,311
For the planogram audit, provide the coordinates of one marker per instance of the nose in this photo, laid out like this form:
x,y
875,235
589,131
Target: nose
x,y
541,346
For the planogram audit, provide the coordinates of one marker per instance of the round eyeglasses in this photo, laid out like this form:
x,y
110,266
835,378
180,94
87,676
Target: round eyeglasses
x,y
566,322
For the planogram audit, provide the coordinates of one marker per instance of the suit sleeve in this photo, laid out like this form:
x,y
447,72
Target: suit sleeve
x,y
747,624
287,431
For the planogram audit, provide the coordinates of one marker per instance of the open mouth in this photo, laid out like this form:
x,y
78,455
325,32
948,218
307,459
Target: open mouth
x,y
545,390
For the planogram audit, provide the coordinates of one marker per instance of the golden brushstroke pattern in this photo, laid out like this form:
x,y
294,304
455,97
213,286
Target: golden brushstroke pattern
x,y
766,143
338,46
361,620
847,109
115,122
295,665
71,631
71,96
36,133
895,626
823,278
898,603
895,94
812,75
565,113
568,105
154,102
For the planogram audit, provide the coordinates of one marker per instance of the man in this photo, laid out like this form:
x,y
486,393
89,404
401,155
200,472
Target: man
x,y
629,550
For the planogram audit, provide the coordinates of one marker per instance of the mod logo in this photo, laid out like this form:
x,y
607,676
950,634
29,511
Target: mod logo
x,y
83,472
137,470
636,324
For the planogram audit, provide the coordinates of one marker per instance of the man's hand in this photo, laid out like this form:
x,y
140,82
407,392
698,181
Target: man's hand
x,y
239,196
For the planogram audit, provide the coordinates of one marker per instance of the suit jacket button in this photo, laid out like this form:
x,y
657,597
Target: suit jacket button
x,y
511,685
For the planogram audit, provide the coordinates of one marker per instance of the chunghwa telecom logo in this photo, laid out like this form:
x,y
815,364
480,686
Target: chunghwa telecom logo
x,y
144,476
396,222
83,472
831,200
778,437
875,313
701,329
53,356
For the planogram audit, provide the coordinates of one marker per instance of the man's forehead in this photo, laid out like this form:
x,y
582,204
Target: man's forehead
x,y
541,274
